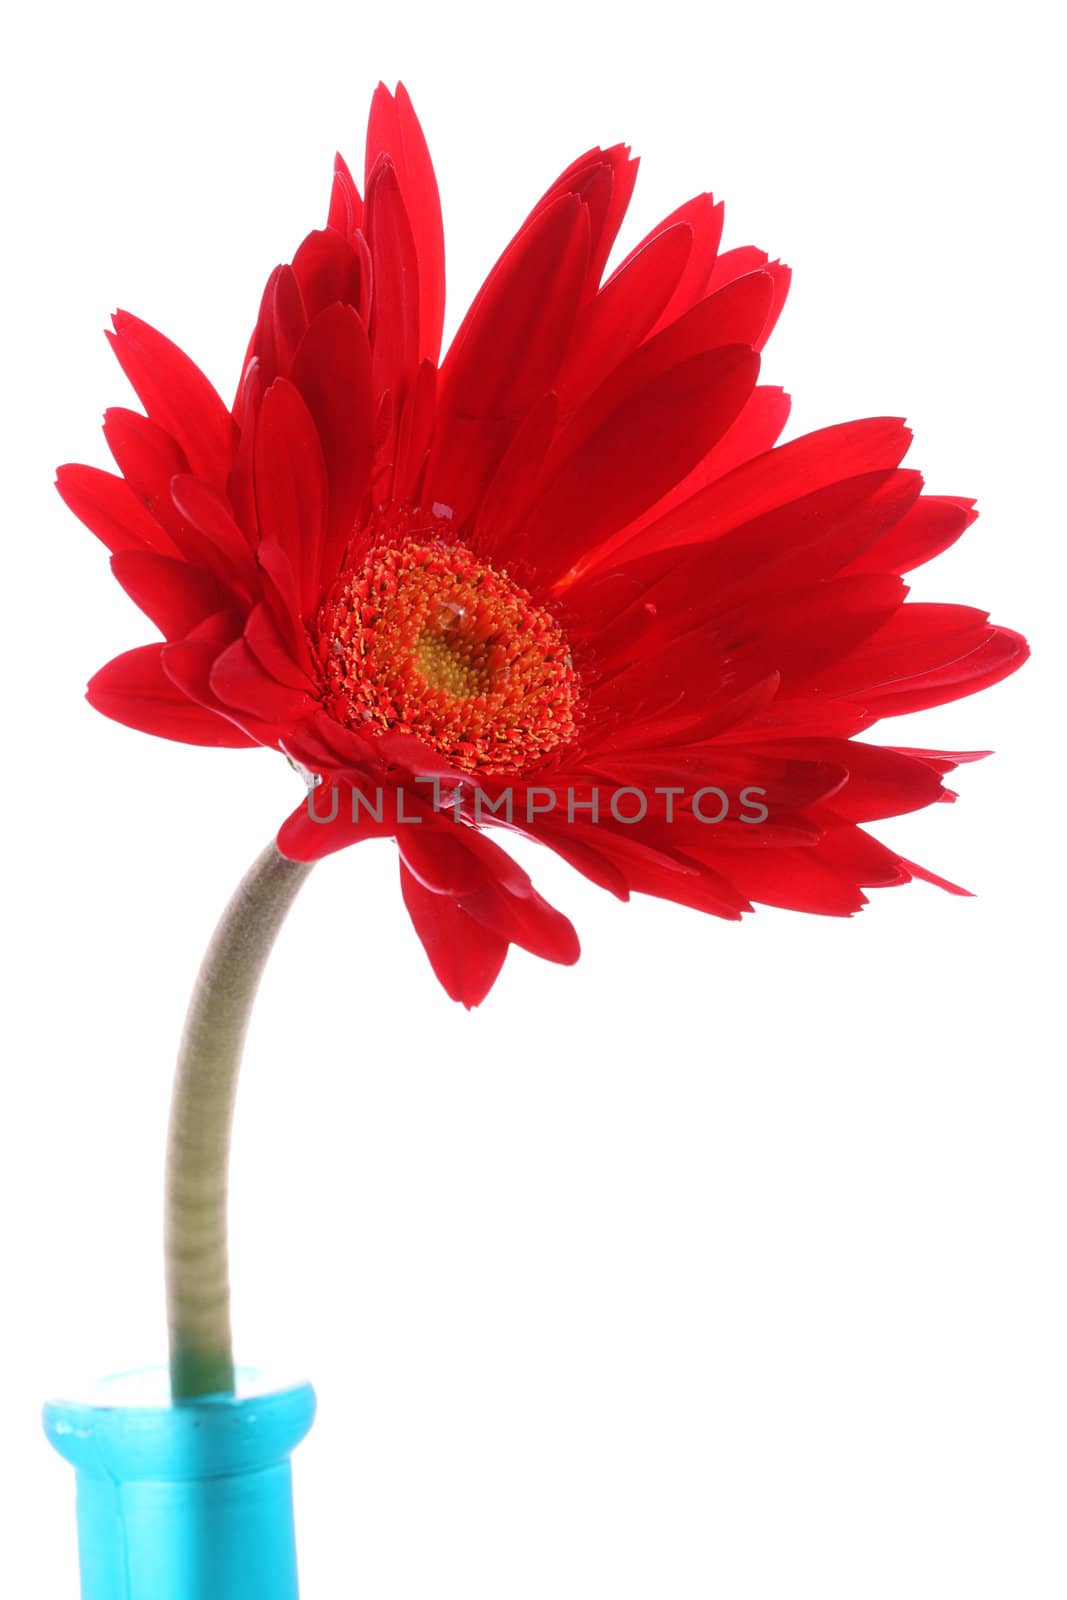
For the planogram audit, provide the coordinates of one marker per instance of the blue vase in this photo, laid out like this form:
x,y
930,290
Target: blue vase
x,y
184,1501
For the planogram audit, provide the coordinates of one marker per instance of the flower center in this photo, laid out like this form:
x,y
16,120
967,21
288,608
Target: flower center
x,y
426,639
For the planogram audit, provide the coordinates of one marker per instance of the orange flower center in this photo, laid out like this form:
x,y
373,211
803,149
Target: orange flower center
x,y
428,640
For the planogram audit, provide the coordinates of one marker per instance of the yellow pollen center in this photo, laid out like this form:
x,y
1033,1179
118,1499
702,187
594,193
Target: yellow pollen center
x,y
425,639
446,663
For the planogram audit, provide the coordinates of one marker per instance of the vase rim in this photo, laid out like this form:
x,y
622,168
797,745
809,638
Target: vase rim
x,y
122,1437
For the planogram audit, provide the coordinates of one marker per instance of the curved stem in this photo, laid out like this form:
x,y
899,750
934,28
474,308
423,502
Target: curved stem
x,y
201,1117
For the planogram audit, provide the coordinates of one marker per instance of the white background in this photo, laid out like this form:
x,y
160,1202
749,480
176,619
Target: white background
x,y
729,1262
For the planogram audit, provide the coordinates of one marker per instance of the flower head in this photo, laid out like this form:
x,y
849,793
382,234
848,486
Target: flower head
x,y
560,581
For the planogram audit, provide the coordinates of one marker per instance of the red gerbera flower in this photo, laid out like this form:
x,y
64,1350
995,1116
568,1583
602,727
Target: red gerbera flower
x,y
559,581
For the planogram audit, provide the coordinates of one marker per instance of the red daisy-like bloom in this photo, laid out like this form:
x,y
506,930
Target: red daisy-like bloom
x,y
560,580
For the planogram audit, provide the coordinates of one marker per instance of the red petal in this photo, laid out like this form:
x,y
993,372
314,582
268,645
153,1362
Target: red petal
x,y
704,217
707,890
931,877
177,396
941,761
796,713
465,955
800,632
188,664
661,430
281,324
511,341
290,487
930,527
791,778
240,490
734,264
735,314
795,634
795,879
774,479
287,658
218,543
110,509
626,309
346,207
587,858
440,860
327,821
134,689
646,870
393,130
755,431
331,369
804,542
604,181
414,436
512,485
173,595
925,655
881,782
280,588
714,323
148,459
781,276
996,658
238,679
507,351
526,920
855,856
394,325
332,269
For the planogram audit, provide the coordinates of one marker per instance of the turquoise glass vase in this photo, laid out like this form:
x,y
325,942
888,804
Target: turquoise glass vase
x,y
190,1500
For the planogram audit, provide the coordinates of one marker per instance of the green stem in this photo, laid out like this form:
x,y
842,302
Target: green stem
x,y
201,1117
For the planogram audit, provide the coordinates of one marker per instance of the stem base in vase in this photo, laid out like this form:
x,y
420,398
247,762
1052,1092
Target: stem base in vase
x,y
186,1500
